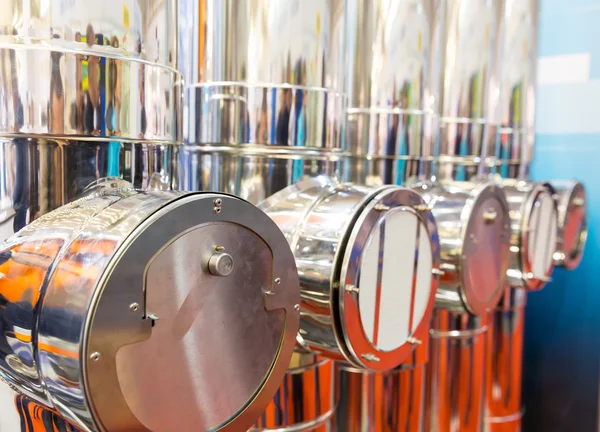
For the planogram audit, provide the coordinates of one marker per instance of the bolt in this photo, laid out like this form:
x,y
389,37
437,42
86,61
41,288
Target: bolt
x,y
414,341
490,215
278,281
421,207
352,289
370,357
297,307
381,207
578,202
95,356
219,248
133,307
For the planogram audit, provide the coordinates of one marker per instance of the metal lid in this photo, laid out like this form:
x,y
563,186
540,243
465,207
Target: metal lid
x,y
387,290
194,327
485,250
572,222
539,231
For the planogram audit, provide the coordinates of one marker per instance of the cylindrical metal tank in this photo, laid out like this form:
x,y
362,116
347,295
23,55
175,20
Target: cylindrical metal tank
x,y
90,107
101,295
262,103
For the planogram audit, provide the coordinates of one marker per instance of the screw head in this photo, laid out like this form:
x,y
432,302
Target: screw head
x,y
134,307
297,307
95,356
278,281
218,202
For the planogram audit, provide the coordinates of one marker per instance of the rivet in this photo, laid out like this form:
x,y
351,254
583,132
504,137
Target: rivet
x,y
278,281
133,307
95,356
297,307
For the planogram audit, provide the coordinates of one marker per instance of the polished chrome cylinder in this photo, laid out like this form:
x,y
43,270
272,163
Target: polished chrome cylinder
x,y
456,373
85,95
534,232
473,223
116,287
383,402
367,260
471,37
263,107
571,202
305,400
505,363
390,79
516,88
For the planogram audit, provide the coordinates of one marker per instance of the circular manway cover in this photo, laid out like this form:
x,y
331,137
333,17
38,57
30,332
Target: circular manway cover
x,y
388,290
210,346
485,252
539,238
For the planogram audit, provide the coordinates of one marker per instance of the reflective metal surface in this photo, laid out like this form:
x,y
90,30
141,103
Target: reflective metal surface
x,y
473,223
571,204
382,402
504,363
262,93
471,35
113,288
517,88
305,400
456,373
534,232
67,69
366,259
391,79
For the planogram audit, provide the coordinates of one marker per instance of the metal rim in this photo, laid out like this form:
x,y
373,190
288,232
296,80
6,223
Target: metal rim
x,y
531,281
467,291
95,345
573,197
362,350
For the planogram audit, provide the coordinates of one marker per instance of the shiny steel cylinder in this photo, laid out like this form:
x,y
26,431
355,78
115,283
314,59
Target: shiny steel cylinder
x,y
471,36
505,363
571,202
516,88
367,260
86,93
456,373
382,402
115,288
390,79
263,107
305,400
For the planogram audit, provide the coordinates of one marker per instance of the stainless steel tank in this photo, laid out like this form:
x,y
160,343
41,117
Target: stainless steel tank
x,y
264,101
263,107
89,123
534,216
416,80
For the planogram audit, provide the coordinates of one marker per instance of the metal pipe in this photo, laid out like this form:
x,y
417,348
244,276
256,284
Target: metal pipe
x,y
471,42
263,107
390,73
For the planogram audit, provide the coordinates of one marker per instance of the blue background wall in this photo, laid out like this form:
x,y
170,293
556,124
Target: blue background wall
x,y
562,339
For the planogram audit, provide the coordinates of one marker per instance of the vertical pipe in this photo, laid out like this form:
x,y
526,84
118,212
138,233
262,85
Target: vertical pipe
x,y
516,88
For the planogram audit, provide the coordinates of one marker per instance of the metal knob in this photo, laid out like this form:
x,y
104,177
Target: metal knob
x,y
220,264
